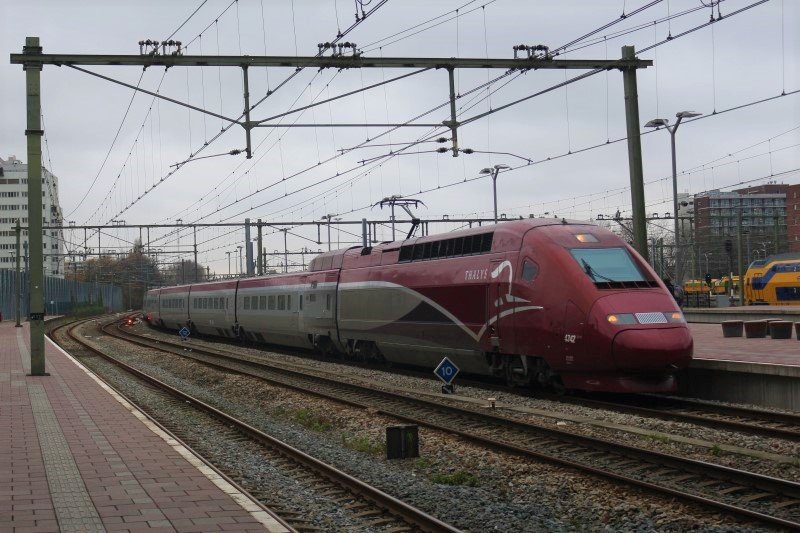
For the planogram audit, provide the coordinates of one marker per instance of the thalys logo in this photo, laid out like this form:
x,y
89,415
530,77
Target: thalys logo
x,y
471,275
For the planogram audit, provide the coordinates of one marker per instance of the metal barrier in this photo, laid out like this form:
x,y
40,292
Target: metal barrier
x,y
60,295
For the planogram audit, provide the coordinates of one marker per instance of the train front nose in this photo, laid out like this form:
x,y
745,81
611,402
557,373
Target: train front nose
x,y
652,349
647,331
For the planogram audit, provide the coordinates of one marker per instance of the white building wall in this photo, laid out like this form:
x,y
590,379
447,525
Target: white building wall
x,y
14,205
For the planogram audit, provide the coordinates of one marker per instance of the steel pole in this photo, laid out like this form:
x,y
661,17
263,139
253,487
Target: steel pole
x,y
364,233
18,282
196,278
639,221
36,273
494,191
678,255
285,253
739,258
260,246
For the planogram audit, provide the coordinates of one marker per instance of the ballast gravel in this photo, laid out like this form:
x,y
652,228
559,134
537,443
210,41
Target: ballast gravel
x,y
488,491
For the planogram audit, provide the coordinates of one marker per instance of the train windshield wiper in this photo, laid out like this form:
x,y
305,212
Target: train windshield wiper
x,y
592,273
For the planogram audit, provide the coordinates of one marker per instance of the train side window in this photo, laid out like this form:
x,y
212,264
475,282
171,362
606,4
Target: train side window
x,y
247,302
300,303
459,246
271,302
288,302
281,302
529,270
312,297
262,303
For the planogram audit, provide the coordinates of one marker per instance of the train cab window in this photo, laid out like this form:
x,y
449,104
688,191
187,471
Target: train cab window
x,y
607,264
529,270
262,303
247,302
271,302
281,302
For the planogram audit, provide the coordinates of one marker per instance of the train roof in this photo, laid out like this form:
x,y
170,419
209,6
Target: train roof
x,y
788,256
505,236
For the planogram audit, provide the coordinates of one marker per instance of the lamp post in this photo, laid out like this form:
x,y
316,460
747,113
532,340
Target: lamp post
x,y
494,171
338,233
328,217
656,123
706,254
240,260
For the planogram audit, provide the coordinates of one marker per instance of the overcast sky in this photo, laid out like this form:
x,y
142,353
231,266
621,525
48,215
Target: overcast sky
x,y
736,61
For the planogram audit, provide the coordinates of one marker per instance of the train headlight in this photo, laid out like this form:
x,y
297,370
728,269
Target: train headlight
x,y
620,319
675,318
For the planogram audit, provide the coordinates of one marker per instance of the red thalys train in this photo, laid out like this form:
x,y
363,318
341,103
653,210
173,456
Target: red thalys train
x,y
538,301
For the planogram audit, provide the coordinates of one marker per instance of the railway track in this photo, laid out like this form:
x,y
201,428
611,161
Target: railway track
x,y
730,418
368,504
756,497
754,421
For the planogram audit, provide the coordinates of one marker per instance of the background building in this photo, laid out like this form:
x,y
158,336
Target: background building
x,y
793,217
14,205
764,225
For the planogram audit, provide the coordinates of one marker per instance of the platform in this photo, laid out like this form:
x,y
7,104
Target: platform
x,y
716,315
763,372
75,456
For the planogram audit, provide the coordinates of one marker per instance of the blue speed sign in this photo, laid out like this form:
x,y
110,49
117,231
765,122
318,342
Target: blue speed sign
x,y
446,371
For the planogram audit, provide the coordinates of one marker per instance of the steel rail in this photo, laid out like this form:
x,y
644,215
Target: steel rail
x,y
397,507
689,469
669,408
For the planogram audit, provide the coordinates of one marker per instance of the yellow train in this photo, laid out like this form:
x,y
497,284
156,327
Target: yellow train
x,y
726,285
773,281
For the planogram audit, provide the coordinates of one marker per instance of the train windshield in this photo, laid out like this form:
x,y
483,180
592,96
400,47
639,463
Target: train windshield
x,y
607,264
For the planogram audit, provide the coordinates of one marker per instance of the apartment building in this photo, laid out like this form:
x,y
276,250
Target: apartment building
x,y
14,206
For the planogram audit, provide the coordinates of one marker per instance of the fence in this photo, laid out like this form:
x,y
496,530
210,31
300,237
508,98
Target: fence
x,y
60,295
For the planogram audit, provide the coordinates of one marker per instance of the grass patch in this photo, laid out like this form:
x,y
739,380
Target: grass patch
x,y
456,478
658,438
715,450
309,420
363,444
423,463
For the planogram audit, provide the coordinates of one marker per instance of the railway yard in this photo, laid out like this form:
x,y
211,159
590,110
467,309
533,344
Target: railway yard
x,y
376,266
527,463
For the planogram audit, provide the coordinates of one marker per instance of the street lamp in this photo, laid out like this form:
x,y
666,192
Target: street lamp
x,y
706,254
656,123
337,219
328,217
494,171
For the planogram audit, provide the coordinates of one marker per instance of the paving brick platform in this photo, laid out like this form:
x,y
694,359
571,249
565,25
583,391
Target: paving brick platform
x,y
710,344
74,456
763,372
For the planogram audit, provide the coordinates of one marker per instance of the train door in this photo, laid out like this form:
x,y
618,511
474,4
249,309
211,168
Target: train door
x,y
500,305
